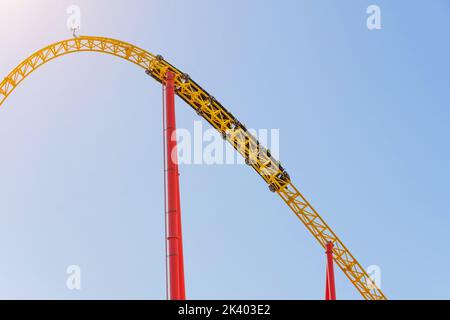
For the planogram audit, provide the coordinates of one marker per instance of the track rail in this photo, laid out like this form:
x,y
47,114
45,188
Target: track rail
x,y
224,122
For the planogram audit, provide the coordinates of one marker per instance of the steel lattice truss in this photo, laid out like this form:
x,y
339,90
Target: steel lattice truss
x,y
224,122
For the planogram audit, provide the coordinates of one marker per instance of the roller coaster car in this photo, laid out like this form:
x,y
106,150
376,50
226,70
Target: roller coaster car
x,y
283,179
212,100
185,77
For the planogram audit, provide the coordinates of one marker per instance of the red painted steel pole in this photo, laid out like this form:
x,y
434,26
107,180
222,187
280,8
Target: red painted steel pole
x,y
174,233
181,264
330,290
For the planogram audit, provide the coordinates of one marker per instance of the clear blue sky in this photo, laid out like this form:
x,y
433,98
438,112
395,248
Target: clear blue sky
x,y
364,120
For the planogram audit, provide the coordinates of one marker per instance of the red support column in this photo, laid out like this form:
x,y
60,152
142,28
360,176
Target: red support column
x,y
174,232
181,264
330,290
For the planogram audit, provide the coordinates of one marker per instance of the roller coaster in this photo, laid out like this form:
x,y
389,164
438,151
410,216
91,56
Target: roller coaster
x,y
210,109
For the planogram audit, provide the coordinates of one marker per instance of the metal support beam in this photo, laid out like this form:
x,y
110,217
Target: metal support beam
x,y
174,230
330,290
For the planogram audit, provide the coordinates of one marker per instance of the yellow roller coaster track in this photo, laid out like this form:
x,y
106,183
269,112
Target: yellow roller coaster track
x,y
225,123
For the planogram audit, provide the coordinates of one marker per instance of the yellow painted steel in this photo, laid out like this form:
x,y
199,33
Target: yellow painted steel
x,y
223,121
